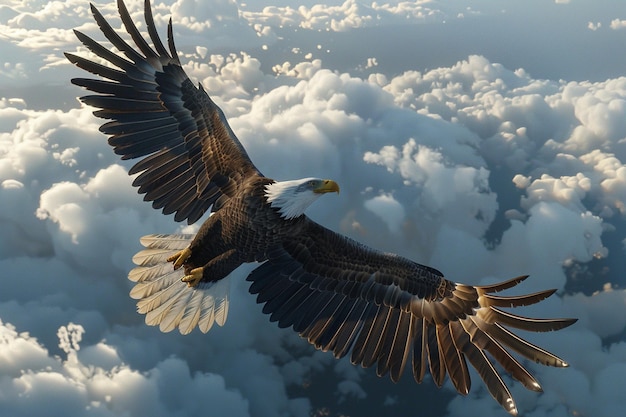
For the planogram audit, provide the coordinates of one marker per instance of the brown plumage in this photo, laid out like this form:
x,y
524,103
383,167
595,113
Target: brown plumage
x,y
343,297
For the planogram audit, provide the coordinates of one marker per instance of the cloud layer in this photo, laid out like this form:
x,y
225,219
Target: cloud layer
x,y
481,169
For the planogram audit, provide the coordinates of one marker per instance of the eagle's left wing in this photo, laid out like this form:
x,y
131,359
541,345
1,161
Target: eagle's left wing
x,y
387,310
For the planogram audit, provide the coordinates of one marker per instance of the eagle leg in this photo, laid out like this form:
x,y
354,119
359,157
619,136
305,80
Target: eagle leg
x,y
214,270
180,257
194,277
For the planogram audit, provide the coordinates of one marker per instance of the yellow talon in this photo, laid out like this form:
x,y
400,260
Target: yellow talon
x,y
180,257
194,277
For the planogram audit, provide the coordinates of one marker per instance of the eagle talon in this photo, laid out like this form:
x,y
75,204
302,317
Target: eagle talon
x,y
194,277
180,257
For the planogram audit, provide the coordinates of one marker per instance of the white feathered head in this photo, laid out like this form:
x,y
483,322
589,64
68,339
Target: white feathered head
x,y
291,198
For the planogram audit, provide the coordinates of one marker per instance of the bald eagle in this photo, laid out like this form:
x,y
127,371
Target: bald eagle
x,y
340,295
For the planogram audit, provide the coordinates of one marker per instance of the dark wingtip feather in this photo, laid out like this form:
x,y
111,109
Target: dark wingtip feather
x,y
170,41
154,36
94,10
495,315
501,286
71,57
131,28
518,300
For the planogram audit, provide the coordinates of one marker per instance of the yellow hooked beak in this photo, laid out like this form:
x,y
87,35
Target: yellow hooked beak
x,y
327,186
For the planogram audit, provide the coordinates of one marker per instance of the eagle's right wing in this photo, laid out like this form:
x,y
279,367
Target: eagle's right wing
x,y
191,159
387,310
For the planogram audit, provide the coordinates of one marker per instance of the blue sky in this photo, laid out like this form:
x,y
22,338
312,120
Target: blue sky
x,y
484,138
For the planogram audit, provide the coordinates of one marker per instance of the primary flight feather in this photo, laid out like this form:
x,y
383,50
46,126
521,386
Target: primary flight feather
x,y
340,295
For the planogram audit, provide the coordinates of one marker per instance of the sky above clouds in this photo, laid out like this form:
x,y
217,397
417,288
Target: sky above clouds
x,y
483,138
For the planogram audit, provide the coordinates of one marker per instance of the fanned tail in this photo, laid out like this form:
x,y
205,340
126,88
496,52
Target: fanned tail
x,y
164,299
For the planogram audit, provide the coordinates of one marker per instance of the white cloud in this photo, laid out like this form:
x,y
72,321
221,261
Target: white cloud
x,y
388,209
94,381
346,16
594,310
617,24
594,26
429,160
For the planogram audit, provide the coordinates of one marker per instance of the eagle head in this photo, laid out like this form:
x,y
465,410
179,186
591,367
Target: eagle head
x,y
291,198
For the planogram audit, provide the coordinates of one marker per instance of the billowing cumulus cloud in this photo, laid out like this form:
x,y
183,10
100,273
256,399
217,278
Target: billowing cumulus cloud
x,y
350,14
94,381
482,161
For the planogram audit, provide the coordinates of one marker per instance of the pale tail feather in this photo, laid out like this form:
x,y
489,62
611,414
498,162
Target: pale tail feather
x,y
173,242
164,299
151,257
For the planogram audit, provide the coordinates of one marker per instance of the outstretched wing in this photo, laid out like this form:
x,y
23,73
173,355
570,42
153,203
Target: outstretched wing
x,y
191,159
387,310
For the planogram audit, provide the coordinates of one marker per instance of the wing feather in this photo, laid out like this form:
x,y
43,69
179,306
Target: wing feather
x,y
453,358
310,309
395,344
139,40
282,312
358,351
376,336
485,342
322,319
402,346
391,312
286,293
477,357
325,336
345,335
419,349
188,155
435,360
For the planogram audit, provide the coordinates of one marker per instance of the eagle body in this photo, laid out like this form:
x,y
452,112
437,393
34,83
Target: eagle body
x,y
247,228
340,295
238,232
